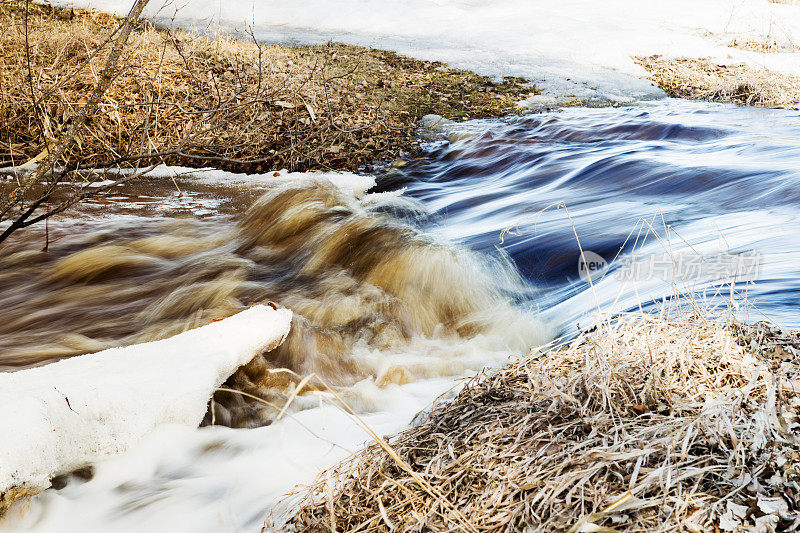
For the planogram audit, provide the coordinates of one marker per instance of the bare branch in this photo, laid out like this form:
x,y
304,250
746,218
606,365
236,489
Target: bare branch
x,y
106,77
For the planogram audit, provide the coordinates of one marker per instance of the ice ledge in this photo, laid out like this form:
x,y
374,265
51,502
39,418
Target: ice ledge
x,y
63,415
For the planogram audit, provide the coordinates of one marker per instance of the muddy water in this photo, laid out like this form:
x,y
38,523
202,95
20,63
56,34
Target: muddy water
x,y
395,294
148,266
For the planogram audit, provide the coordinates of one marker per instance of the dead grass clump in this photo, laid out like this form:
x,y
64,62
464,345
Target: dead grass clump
x,y
10,496
647,424
224,102
769,46
702,79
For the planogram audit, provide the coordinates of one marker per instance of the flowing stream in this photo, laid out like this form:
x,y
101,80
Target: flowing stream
x,y
450,263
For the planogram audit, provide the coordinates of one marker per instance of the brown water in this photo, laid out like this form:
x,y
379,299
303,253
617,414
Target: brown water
x,y
378,300
149,263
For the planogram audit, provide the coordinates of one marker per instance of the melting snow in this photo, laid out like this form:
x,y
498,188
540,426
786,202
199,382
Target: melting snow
x,y
63,415
574,49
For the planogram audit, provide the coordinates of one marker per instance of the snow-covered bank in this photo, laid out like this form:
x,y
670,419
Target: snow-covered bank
x,y
216,479
355,184
574,48
78,410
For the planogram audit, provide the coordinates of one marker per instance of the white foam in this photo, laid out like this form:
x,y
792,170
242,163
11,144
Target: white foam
x,y
765,231
355,184
78,410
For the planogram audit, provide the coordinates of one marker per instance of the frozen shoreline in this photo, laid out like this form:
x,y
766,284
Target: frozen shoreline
x,y
66,414
574,50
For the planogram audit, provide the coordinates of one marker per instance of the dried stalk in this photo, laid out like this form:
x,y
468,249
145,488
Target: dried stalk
x,y
108,73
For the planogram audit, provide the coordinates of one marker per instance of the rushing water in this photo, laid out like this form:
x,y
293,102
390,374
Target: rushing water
x,y
693,181
395,294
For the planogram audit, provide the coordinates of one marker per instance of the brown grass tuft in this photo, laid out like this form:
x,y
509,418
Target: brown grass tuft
x,y
646,424
9,497
702,79
769,46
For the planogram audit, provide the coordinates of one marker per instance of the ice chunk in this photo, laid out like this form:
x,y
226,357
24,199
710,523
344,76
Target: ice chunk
x,y
63,415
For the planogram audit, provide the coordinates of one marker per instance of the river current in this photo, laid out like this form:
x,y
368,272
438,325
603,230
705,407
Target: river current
x,y
500,236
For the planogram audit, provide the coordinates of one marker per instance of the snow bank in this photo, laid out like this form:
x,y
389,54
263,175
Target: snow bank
x,y
574,48
355,184
217,479
63,415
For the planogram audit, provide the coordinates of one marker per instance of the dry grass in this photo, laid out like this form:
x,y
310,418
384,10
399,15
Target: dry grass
x,y
328,106
702,79
768,46
10,496
646,424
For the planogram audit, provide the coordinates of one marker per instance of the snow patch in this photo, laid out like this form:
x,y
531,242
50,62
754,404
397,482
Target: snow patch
x,y
574,49
354,184
63,415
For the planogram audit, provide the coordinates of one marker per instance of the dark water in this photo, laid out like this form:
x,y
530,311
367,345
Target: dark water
x,y
698,181
395,295
484,241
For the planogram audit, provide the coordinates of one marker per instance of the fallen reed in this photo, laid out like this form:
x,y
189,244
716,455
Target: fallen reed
x,y
216,99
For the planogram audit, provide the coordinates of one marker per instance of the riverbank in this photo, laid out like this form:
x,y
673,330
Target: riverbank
x,y
714,81
222,101
66,416
647,423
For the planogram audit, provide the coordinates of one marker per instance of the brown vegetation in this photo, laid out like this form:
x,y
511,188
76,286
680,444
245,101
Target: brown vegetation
x,y
222,101
645,424
703,79
10,496
768,46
